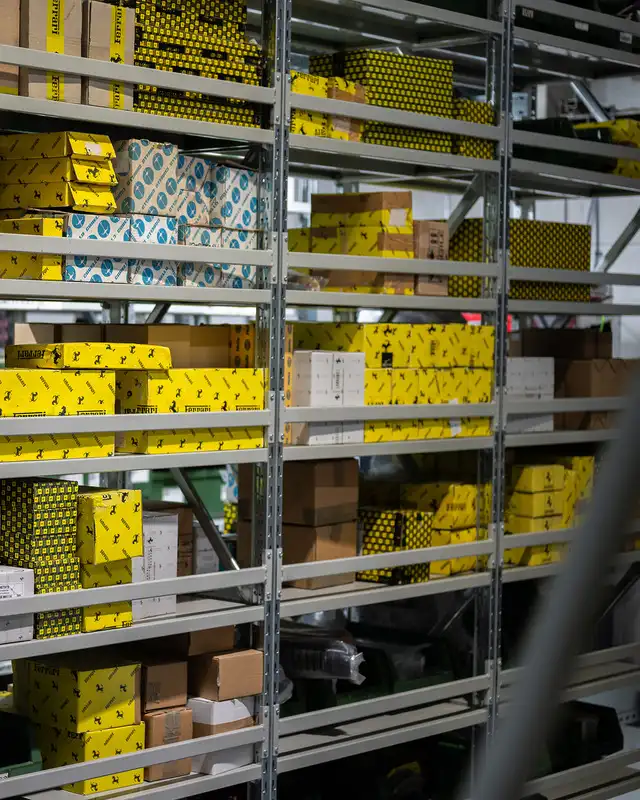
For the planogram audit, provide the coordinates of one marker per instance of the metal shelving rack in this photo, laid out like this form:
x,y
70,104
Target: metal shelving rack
x,y
505,55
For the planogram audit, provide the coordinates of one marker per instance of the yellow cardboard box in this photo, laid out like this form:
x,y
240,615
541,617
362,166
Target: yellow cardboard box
x,y
31,266
109,525
324,240
377,387
198,440
312,85
515,524
299,240
190,390
530,556
70,169
84,692
480,385
405,387
91,199
540,478
569,497
108,573
536,504
476,426
372,241
440,569
456,505
61,748
584,467
442,346
105,616
481,344
88,355
465,536
384,345
36,392
92,146
53,448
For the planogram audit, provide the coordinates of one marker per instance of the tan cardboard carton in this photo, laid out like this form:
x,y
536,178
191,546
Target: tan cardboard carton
x,y
168,727
109,33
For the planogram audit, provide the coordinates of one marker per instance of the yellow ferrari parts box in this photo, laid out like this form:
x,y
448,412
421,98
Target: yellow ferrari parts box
x,y
383,345
375,209
377,387
515,524
91,146
542,478
84,693
37,392
32,266
405,387
109,525
89,198
584,467
456,505
532,556
465,536
200,440
536,504
190,390
109,573
569,497
55,170
105,616
61,748
88,355
54,448
312,85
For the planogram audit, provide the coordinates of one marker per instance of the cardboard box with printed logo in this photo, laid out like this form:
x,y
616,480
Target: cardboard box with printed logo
x,y
109,33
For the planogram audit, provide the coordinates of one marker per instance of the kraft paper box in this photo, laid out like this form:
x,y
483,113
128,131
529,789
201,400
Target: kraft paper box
x,y
226,676
97,226
9,34
109,525
164,685
153,230
84,692
61,748
56,27
234,198
147,177
16,582
377,209
109,33
168,727
88,355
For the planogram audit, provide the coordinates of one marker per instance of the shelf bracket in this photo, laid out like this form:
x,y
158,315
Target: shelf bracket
x,y
157,314
472,194
620,244
590,101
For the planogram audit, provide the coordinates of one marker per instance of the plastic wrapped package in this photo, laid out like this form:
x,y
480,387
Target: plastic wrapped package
x,y
319,653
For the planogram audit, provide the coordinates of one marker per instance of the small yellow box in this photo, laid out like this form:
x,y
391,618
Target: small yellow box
x,y
515,524
109,525
369,241
31,266
52,448
454,385
430,381
457,506
70,169
441,346
299,240
105,616
34,225
476,426
92,146
88,355
439,569
434,429
480,385
405,387
405,430
481,344
190,441
384,345
536,504
465,536
325,240
377,387
584,467
309,123
37,392
569,497
542,478
84,692
108,573
61,748
190,390
60,195
312,85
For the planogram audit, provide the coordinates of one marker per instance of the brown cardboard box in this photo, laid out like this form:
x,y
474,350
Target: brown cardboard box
x,y
196,643
167,727
109,33
54,26
601,377
164,685
209,346
315,493
226,676
394,283
356,203
302,544
576,343
175,337
45,333
9,34
431,241
353,128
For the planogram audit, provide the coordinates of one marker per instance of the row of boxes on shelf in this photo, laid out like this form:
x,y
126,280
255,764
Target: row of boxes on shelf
x,y
381,224
314,123
161,196
104,703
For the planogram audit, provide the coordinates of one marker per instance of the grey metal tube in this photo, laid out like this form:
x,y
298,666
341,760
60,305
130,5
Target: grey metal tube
x,y
565,616
590,101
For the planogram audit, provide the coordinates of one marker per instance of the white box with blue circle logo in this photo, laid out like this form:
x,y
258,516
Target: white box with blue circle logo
x,y
192,172
238,239
193,208
234,197
199,274
95,268
147,177
153,230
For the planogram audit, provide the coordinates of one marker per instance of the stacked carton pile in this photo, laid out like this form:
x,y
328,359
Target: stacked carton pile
x,y
410,83
314,123
197,38
473,111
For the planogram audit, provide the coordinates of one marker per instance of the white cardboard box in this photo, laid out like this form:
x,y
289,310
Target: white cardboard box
x,y
94,268
16,582
234,197
531,378
205,558
147,177
239,239
233,715
159,561
153,230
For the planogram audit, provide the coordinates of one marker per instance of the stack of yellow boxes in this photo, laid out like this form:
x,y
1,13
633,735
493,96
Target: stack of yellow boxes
x,y
536,504
536,244
414,365
67,379
433,515
54,172
85,707
391,80
190,390
197,38
109,536
314,123
39,533
473,111
617,131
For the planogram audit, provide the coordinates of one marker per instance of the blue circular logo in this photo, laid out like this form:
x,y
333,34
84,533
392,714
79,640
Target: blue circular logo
x,y
208,275
162,200
139,226
147,276
171,223
172,186
168,149
244,181
148,175
246,218
80,261
206,238
191,209
235,194
221,174
153,210
134,151
104,229
170,281
234,244
95,278
216,222
181,160
69,273
227,209
243,236
191,183
199,170
157,161
236,283
188,269
162,236
107,267
246,270
138,190
210,189
253,205
77,220
128,205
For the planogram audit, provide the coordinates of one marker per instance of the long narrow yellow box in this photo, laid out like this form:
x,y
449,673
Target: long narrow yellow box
x,y
535,504
88,355
37,392
199,440
542,478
